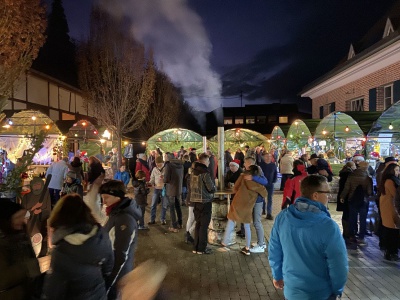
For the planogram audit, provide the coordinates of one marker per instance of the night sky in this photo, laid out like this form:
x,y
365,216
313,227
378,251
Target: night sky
x,y
268,49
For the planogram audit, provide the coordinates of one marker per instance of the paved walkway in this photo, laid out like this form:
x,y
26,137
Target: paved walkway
x,y
232,275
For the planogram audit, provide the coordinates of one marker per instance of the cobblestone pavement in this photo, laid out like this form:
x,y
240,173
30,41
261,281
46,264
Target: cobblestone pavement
x,y
232,275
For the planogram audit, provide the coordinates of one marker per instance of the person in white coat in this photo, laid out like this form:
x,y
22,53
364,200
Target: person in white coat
x,y
285,167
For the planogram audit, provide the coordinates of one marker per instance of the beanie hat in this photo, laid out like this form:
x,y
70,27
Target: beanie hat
x,y
358,157
71,174
159,160
116,193
8,209
390,159
235,163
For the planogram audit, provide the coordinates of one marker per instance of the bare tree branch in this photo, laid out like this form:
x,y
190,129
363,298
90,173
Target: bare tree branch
x,y
116,76
166,108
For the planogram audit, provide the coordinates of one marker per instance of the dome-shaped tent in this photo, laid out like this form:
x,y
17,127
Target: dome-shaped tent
x,y
238,138
298,136
339,133
384,135
171,140
16,132
84,136
277,137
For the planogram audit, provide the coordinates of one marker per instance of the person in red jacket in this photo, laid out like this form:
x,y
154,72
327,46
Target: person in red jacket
x,y
292,185
142,165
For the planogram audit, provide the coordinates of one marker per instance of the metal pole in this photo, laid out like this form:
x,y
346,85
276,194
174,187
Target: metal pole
x,y
221,158
204,144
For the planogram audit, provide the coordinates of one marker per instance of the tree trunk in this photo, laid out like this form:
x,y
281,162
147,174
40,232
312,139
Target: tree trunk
x,y
119,150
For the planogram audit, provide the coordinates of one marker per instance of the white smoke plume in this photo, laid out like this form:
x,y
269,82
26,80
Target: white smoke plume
x,y
180,43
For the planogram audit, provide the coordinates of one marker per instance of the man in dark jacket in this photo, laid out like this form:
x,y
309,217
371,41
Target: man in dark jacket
x,y
271,173
123,214
173,178
193,155
319,166
202,190
240,156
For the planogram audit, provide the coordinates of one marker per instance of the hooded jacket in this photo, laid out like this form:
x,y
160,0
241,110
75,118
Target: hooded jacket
x,y
122,229
307,251
343,174
30,200
81,260
358,177
173,177
292,186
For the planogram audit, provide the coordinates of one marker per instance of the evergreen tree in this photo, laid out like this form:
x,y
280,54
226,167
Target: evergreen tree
x,y
57,56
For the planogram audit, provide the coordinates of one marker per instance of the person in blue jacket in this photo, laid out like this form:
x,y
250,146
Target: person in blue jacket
x,y
307,253
122,175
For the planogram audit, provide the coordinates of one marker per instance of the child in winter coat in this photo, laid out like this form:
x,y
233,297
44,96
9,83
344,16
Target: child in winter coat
x,y
71,185
122,175
141,191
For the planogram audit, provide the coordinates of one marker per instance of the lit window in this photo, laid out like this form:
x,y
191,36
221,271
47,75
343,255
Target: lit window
x,y
228,121
250,120
283,120
238,120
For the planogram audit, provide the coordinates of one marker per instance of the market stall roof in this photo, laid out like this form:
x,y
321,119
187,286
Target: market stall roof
x,y
172,139
28,122
312,124
83,130
277,133
338,125
365,118
298,135
381,127
240,137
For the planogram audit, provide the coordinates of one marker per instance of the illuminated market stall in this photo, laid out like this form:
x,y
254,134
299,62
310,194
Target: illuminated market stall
x,y
171,140
278,139
17,132
299,137
83,137
238,138
338,134
384,136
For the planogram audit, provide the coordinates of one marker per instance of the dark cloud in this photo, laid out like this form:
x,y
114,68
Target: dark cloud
x,y
319,41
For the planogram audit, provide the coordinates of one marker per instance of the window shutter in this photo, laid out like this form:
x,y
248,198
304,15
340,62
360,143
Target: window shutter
x,y
321,112
333,106
372,100
396,91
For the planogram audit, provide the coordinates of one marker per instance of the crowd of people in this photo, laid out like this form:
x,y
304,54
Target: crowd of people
x,y
93,241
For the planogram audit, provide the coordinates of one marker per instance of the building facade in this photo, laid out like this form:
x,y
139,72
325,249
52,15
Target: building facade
x,y
368,79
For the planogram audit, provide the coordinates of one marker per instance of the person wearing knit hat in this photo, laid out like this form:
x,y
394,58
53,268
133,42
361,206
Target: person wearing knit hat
x,y
123,215
71,185
233,173
18,262
235,163
39,213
